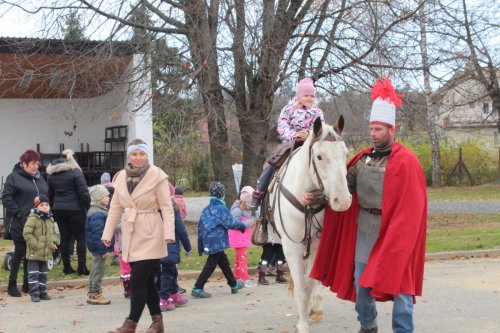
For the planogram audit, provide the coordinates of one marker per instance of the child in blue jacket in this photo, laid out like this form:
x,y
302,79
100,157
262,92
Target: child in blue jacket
x,y
96,219
170,296
214,222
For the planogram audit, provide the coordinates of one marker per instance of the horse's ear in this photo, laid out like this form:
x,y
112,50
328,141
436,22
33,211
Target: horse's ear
x,y
339,125
318,126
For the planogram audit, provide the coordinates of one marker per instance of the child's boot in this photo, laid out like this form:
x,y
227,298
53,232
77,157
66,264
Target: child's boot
x,y
262,275
45,297
97,299
127,290
280,272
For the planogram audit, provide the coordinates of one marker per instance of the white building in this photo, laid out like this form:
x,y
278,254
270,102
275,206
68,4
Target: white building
x,y
56,95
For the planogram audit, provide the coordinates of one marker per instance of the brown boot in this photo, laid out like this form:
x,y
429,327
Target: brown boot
x,y
128,326
280,272
262,274
157,325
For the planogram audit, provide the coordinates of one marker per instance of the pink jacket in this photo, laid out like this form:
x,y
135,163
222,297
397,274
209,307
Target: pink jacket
x,y
143,230
240,239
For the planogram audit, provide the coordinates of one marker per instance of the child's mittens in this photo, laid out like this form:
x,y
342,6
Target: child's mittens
x,y
188,253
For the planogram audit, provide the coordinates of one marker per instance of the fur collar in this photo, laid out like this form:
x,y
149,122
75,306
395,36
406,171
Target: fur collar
x,y
59,167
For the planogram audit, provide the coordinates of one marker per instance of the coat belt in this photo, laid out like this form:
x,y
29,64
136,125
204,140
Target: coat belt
x,y
133,212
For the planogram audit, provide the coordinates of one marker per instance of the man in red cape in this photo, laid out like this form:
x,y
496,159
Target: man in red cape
x,y
375,251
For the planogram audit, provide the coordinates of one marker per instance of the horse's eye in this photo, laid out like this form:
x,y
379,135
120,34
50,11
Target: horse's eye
x,y
319,157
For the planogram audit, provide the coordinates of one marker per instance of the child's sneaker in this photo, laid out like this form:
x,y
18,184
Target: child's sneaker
x,y
250,284
178,299
200,293
167,304
45,297
182,290
239,285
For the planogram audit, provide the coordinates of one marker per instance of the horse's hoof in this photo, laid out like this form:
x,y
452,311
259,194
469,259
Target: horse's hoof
x,y
316,315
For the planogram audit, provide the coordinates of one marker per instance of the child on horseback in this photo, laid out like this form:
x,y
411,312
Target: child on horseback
x,y
294,123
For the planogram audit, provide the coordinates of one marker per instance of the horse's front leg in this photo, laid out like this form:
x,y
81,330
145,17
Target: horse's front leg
x,y
316,306
301,290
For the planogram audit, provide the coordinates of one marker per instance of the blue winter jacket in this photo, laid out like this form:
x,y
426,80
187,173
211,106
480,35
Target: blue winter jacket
x,y
214,221
94,227
181,236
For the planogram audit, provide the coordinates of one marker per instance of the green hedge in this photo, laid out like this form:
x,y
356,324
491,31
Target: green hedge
x,y
481,162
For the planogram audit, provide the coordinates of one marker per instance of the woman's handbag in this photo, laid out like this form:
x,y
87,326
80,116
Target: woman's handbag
x,y
259,232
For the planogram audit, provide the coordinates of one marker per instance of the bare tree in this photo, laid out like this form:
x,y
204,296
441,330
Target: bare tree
x,y
249,50
429,105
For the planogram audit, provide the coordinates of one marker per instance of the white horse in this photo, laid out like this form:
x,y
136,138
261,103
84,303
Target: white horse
x,y
319,164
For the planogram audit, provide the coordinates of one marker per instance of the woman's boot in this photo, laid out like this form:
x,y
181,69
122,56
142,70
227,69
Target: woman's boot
x,y
12,289
157,325
128,326
26,286
68,269
82,269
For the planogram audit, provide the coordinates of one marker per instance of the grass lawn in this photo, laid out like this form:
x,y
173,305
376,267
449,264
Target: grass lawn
x,y
482,192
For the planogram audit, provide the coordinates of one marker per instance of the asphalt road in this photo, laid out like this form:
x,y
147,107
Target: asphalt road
x,y
196,204
460,296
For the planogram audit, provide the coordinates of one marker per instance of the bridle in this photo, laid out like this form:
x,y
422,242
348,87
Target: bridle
x,y
309,211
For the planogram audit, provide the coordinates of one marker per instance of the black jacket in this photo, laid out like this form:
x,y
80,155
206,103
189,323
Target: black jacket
x,y
18,196
68,189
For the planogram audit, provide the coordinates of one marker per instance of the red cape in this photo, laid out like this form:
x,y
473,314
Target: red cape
x,y
396,263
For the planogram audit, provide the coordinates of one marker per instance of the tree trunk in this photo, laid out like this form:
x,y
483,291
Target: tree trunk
x,y
430,107
202,43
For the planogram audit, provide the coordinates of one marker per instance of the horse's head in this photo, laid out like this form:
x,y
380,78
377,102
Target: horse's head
x,y
327,162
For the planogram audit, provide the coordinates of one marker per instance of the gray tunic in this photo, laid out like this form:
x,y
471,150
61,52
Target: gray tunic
x,y
366,178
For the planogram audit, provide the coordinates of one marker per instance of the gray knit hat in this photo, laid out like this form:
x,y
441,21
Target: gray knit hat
x,y
97,192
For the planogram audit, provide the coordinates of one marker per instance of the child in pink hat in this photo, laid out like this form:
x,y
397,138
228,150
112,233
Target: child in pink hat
x,y
241,241
294,122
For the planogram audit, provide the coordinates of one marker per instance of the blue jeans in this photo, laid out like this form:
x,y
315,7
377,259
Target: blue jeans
x,y
168,280
402,310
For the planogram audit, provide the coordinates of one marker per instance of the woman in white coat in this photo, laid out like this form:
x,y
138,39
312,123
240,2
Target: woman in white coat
x,y
141,191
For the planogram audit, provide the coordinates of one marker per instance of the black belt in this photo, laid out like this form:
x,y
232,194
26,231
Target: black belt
x,y
374,211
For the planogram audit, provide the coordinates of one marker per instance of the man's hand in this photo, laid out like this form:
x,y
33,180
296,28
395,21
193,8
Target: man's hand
x,y
314,198
106,242
307,198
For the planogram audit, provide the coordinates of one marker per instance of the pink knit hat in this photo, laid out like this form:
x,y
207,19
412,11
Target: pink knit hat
x,y
305,87
246,194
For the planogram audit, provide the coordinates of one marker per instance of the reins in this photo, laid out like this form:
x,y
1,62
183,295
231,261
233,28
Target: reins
x,y
308,211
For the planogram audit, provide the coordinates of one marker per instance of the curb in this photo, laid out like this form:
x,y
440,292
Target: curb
x,y
190,275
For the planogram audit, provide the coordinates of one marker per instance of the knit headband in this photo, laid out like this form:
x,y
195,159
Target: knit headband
x,y
142,147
